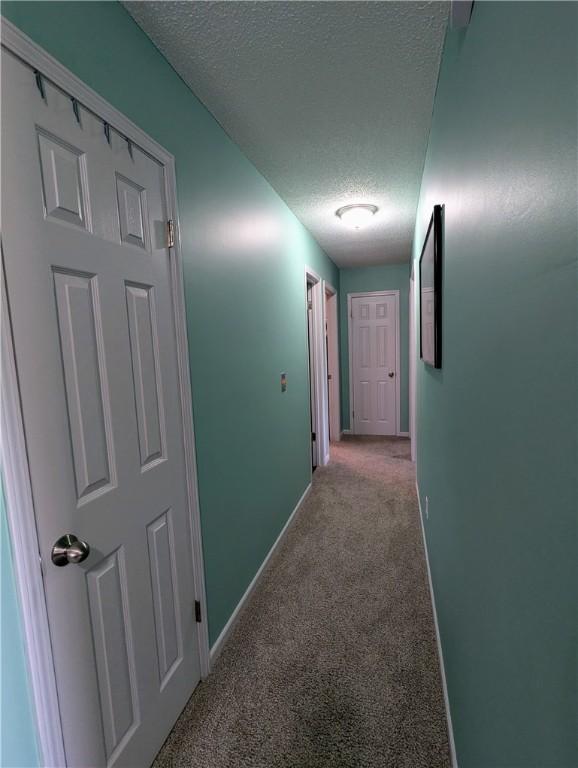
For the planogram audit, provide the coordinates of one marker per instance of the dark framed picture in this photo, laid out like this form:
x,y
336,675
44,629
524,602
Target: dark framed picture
x,y
430,291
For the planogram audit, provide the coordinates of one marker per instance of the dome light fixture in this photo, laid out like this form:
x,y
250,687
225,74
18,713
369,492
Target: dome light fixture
x,y
356,216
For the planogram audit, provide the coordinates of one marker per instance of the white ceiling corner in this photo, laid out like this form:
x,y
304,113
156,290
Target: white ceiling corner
x,y
331,101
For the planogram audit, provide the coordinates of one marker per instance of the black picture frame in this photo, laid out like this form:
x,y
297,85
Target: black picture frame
x,y
430,291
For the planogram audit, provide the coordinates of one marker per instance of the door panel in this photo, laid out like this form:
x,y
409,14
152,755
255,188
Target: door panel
x,y
374,354
63,180
132,212
111,627
165,595
88,404
364,353
89,283
140,302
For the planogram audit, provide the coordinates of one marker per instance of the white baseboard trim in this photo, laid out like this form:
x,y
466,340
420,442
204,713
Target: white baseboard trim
x,y
403,434
454,757
346,432
226,631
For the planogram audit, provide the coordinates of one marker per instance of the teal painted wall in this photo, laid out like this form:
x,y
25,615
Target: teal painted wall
x,y
387,277
17,729
497,426
244,255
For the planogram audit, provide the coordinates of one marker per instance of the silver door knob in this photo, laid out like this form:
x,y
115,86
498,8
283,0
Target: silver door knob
x,y
391,374
69,549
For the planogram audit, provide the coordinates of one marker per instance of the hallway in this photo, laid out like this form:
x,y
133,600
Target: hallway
x,y
234,233
334,662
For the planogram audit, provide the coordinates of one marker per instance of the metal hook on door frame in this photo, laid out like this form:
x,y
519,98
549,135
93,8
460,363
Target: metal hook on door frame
x,y
40,84
75,109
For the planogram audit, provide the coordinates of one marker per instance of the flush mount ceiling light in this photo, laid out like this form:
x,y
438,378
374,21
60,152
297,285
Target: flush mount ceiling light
x,y
356,216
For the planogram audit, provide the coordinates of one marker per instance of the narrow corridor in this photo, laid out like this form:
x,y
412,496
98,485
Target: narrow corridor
x,y
334,661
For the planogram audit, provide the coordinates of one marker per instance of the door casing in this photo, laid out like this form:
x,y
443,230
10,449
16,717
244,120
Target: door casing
x,y
351,296
15,469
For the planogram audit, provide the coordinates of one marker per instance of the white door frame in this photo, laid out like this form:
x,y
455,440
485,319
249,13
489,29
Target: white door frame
x,y
351,296
15,468
319,365
333,353
412,366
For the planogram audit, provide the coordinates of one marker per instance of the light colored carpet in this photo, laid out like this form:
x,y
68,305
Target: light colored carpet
x,y
334,661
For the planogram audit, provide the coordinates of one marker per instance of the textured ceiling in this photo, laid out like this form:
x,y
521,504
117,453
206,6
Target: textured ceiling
x,y
332,102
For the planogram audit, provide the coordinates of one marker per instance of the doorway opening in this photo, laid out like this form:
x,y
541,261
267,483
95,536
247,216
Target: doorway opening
x,y
332,358
317,359
312,377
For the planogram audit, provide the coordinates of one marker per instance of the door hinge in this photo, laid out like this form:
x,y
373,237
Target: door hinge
x,y
170,233
313,436
309,305
198,611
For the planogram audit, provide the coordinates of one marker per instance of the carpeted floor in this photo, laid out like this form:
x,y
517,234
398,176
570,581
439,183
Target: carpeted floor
x,y
334,661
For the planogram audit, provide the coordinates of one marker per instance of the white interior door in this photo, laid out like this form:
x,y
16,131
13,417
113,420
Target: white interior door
x,y
374,368
89,287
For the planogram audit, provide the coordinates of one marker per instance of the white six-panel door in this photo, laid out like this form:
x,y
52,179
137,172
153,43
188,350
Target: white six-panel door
x,y
89,287
374,367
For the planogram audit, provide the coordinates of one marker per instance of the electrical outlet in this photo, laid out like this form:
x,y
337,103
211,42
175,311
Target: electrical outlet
x,y
427,507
